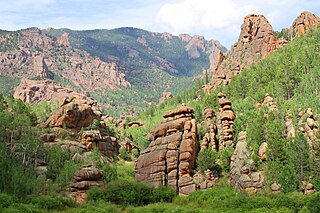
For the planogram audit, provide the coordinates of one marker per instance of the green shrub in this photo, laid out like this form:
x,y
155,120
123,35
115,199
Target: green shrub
x,y
163,194
313,203
128,192
95,194
207,160
51,203
5,200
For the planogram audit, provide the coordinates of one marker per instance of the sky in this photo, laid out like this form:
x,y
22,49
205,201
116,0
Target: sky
x,y
213,19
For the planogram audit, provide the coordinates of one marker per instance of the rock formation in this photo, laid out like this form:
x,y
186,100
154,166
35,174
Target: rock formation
x,y
309,126
32,53
242,173
40,67
303,23
170,157
195,46
106,144
290,131
83,179
205,180
74,114
64,40
256,41
226,118
209,138
165,96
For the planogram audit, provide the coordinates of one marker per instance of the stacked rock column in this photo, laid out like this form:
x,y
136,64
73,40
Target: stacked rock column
x,y
211,130
170,156
225,122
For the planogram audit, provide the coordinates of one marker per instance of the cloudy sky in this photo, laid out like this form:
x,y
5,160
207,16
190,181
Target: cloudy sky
x,y
213,19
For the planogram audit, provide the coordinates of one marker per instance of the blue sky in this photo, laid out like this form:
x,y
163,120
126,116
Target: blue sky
x,y
214,19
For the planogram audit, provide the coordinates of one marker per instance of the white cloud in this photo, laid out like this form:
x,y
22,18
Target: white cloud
x,y
191,14
222,19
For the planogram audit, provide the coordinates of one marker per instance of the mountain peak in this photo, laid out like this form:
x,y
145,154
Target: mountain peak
x,y
303,22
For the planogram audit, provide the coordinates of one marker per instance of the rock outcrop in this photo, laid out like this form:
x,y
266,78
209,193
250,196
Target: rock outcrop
x,y
309,126
170,157
225,123
209,138
74,114
40,67
165,96
205,180
64,40
32,53
195,46
256,41
32,91
242,173
106,144
83,179
303,23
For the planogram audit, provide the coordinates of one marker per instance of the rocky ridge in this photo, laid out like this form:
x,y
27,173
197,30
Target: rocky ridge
x,y
32,53
257,40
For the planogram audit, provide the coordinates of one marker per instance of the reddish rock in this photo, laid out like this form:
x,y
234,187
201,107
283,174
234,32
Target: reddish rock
x,y
32,91
72,115
303,23
64,40
83,179
242,173
100,139
165,96
262,153
170,156
73,64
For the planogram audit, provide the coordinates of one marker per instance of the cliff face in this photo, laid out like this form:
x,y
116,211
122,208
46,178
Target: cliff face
x,y
257,40
303,23
32,53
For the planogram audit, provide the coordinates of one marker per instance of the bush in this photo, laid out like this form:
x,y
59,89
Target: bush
x,y
163,194
313,203
51,203
5,200
95,194
130,192
207,160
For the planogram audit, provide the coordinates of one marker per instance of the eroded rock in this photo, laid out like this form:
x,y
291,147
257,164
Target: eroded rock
x,y
170,157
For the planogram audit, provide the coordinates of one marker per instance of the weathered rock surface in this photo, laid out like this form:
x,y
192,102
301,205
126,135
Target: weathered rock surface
x,y
33,91
84,179
256,41
106,144
195,46
309,126
165,96
55,57
205,180
209,138
262,152
170,157
242,173
64,40
75,114
303,23
226,118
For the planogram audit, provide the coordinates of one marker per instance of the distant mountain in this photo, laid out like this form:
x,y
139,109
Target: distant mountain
x,y
124,67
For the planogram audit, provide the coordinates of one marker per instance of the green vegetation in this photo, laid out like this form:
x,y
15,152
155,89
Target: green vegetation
x,y
290,76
